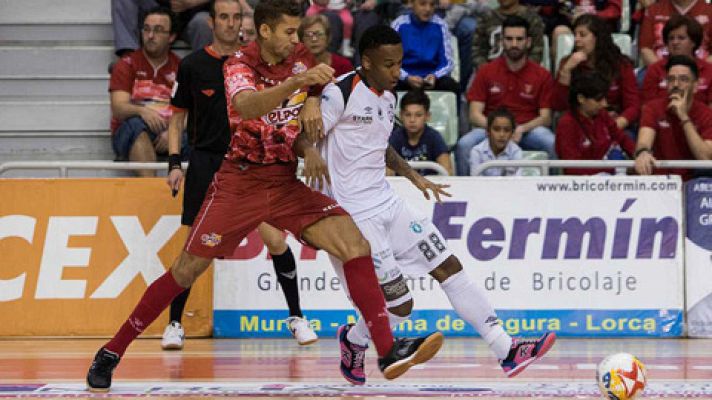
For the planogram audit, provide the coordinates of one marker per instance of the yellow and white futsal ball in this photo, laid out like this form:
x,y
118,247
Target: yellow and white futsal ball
x,y
621,376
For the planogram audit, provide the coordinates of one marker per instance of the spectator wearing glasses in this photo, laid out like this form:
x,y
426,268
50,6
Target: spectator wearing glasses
x,y
315,32
677,127
683,36
190,22
140,92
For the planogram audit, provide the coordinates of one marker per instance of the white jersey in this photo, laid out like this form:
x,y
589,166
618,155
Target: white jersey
x,y
358,122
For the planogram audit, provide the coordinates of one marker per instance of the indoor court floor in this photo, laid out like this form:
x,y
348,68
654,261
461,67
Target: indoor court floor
x,y
260,368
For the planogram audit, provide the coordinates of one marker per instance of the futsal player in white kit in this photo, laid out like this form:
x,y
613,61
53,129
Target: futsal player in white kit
x,y
358,113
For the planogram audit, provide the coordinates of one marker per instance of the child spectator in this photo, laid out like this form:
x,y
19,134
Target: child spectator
x,y
498,145
427,53
415,140
587,131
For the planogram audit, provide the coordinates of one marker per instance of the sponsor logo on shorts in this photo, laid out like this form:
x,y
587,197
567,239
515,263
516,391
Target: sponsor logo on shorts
x,y
330,207
416,227
211,239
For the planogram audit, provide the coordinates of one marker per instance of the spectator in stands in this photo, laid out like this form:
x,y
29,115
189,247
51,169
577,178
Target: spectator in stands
x,y
415,140
191,22
140,87
651,43
594,50
498,145
607,10
315,32
675,128
587,131
248,33
517,83
427,52
487,43
340,8
683,36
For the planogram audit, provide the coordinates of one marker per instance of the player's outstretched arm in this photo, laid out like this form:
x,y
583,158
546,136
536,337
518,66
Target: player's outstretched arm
x,y
316,172
401,167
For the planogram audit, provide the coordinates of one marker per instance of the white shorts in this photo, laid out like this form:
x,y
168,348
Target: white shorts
x,y
403,240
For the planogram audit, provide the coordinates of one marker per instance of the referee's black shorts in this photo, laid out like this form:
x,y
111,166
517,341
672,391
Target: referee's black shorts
x,y
203,165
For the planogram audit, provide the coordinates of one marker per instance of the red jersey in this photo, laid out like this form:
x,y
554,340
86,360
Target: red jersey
x,y
607,10
622,96
581,138
655,17
655,83
148,86
341,65
670,141
267,139
523,92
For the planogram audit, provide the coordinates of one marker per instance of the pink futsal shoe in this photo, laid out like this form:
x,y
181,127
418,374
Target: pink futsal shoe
x,y
352,357
524,352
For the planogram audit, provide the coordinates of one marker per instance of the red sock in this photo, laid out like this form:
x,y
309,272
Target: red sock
x,y
366,294
156,299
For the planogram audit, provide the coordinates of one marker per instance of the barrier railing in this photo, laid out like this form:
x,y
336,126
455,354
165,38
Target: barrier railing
x,y
544,165
63,167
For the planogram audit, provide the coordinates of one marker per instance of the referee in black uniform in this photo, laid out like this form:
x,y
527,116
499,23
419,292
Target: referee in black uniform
x,y
199,92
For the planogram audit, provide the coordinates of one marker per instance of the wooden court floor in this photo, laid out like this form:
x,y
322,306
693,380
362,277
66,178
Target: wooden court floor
x,y
260,368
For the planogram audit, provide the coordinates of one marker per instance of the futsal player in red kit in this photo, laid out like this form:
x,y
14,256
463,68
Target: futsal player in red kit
x,y
272,88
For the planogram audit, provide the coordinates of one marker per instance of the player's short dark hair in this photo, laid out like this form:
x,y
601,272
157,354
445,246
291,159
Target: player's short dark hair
x,y
683,60
694,29
589,84
377,36
270,12
502,112
160,10
211,7
515,21
418,97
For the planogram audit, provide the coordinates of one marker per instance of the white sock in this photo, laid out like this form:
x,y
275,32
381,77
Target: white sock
x,y
470,303
359,334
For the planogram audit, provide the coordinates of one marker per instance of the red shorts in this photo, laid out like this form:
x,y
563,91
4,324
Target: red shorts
x,y
243,195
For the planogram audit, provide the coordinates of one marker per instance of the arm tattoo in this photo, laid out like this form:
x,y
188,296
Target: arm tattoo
x,y
395,162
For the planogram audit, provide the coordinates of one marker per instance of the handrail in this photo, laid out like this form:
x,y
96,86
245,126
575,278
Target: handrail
x,y
63,167
544,165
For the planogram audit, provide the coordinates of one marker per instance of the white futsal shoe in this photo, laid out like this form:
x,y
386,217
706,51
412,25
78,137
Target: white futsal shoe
x,y
301,330
173,336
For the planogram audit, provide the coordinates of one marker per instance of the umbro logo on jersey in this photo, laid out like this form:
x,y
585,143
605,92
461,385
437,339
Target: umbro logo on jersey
x,y
208,92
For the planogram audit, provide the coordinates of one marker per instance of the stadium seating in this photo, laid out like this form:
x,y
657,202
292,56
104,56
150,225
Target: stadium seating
x,y
455,74
53,79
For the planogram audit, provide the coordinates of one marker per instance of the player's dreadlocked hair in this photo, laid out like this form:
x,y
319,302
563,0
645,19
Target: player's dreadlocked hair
x,y
270,12
377,36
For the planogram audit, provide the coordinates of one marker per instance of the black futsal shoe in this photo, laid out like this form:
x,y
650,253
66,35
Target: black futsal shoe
x,y
99,375
407,352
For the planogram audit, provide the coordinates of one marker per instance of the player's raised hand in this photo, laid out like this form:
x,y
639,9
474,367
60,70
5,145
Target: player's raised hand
x,y
316,172
310,119
425,185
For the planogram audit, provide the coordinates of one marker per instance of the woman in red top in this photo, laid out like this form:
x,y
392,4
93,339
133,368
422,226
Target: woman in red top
x,y
315,33
594,50
587,131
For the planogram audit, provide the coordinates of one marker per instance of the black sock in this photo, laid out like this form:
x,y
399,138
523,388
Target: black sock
x,y
284,264
178,305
